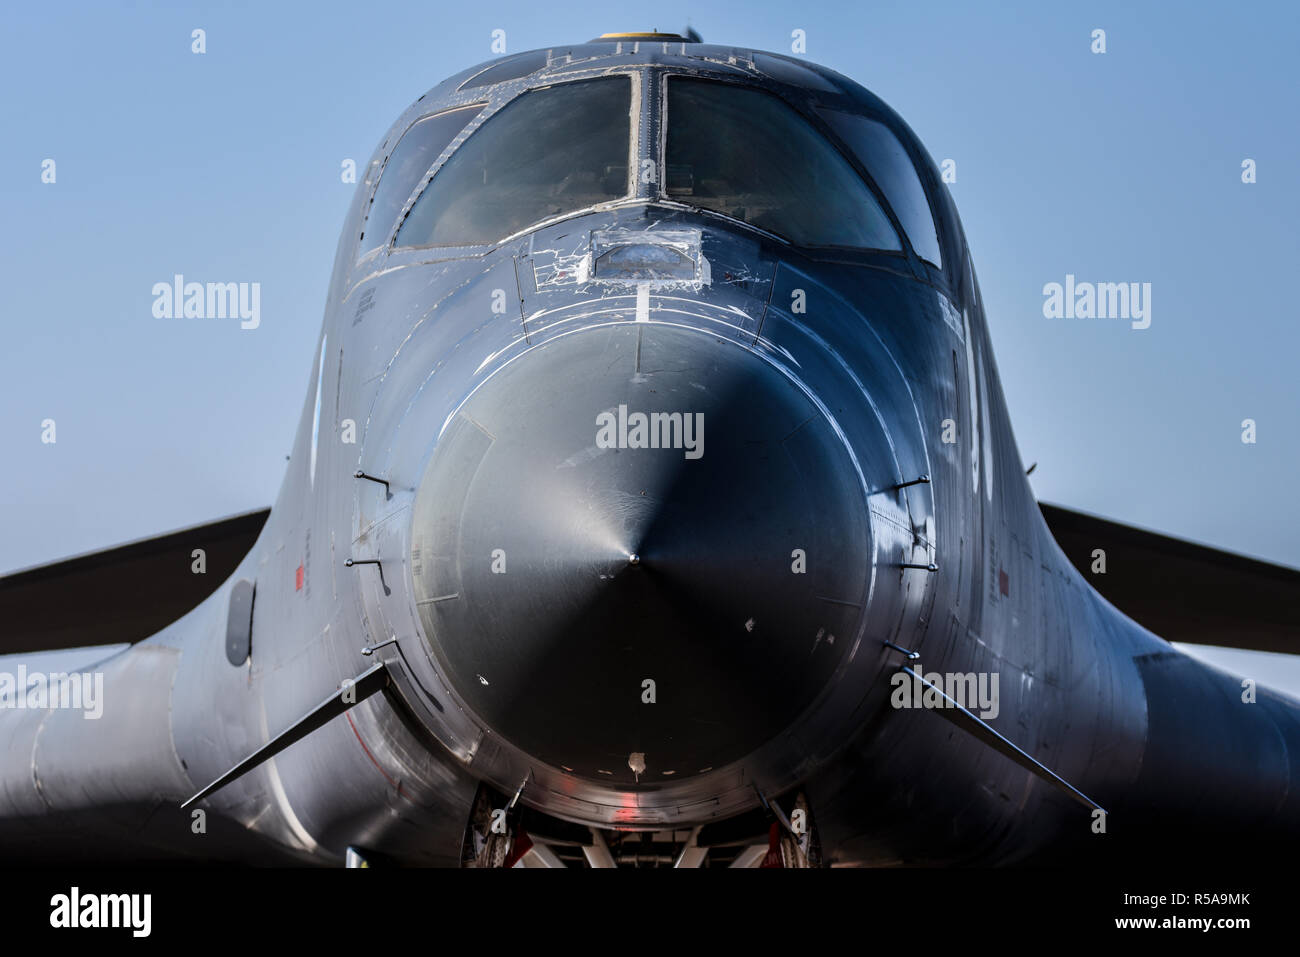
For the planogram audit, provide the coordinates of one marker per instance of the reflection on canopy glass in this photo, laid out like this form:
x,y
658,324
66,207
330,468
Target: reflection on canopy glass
x,y
547,153
885,159
410,160
745,153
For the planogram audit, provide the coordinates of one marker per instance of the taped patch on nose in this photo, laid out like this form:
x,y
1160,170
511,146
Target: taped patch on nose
x,y
636,256
638,262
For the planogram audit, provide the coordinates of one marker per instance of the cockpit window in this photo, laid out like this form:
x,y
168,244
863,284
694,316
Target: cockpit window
x,y
549,152
410,160
744,153
887,162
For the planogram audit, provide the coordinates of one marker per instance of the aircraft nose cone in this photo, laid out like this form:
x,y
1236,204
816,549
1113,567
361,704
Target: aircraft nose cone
x,y
639,540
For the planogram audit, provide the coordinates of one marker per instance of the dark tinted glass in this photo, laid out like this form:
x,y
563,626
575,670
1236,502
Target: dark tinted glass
x,y
883,156
796,74
547,153
410,160
745,153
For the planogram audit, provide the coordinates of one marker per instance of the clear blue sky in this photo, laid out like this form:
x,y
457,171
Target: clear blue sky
x,y
225,166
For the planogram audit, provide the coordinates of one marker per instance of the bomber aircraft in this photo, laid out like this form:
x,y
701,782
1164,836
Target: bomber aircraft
x,y
654,502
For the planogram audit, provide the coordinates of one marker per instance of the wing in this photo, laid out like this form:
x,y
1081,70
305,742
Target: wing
x,y
123,594
1182,591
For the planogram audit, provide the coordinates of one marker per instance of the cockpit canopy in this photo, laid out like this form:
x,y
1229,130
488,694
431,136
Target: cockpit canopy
x,y
837,179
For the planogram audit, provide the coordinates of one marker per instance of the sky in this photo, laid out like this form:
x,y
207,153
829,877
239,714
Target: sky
x,y
1122,166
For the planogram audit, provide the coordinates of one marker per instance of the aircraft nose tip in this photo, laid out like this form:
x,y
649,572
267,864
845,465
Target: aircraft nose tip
x,y
648,541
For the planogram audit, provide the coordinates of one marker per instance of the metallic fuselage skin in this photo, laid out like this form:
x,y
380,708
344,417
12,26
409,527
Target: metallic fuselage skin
x,y
886,349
